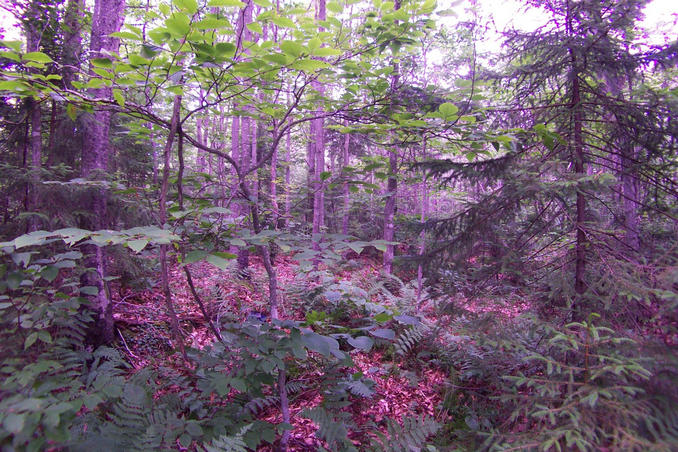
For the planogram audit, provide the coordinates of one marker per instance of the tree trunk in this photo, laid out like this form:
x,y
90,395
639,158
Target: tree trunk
x,y
579,169
33,36
107,19
347,192
422,234
392,182
164,267
318,143
288,171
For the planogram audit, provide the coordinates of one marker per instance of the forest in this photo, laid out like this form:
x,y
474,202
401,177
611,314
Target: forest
x,y
337,225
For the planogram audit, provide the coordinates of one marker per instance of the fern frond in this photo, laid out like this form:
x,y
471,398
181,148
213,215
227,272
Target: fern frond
x,y
411,436
410,338
330,428
228,443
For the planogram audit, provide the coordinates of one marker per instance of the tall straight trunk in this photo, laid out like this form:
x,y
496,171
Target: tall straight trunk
x,y
422,234
288,171
630,196
62,147
347,192
33,37
392,182
579,169
390,208
36,164
310,178
318,142
273,189
107,19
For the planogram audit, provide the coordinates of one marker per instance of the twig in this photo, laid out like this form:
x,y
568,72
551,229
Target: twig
x,y
124,342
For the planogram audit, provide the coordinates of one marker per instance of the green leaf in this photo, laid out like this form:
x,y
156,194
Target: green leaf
x,y
324,345
283,22
448,109
178,24
195,256
137,245
363,343
239,384
291,48
226,3
125,35
255,27
71,112
237,242
218,261
30,340
37,57
190,6
382,317
383,333
310,65
335,7
225,49
102,62
14,423
89,290
326,51
50,273
211,23
119,98
407,319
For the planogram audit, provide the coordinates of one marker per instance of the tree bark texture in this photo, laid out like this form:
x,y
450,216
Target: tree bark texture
x,y
107,18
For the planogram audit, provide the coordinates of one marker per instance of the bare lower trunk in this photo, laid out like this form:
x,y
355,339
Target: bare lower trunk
x,y
36,165
580,171
107,19
422,237
389,211
347,193
630,202
288,194
164,270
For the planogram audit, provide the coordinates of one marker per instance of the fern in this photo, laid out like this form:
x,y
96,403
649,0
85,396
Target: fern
x,y
331,428
228,443
410,338
411,436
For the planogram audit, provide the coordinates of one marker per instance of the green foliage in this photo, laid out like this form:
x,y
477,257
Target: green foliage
x,y
411,435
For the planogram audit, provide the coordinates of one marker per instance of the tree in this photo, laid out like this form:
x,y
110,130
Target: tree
x,y
107,19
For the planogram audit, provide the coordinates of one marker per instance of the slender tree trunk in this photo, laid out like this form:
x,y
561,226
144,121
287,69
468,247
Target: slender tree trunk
x,y
33,36
630,201
318,143
36,165
422,235
347,192
107,19
245,137
275,209
164,267
580,171
288,191
392,181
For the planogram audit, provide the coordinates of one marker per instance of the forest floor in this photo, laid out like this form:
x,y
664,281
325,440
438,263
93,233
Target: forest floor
x,y
142,328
